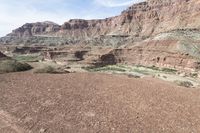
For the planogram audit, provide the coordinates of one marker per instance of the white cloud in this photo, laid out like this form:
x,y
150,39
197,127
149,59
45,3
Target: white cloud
x,y
14,15
116,3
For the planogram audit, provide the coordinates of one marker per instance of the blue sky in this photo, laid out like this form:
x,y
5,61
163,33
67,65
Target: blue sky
x,y
14,13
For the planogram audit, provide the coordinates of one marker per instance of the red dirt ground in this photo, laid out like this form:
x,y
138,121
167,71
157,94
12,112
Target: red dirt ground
x,y
89,102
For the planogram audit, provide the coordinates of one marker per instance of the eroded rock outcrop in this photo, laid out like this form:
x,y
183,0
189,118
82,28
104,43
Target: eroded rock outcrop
x,y
65,56
31,29
172,50
2,55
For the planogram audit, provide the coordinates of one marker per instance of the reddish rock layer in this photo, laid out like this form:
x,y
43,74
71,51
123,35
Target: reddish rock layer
x,y
152,53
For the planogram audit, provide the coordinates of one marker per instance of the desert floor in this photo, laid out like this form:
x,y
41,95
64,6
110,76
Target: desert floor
x,y
94,102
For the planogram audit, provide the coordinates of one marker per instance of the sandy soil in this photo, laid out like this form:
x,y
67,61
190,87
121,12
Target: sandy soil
x,y
90,103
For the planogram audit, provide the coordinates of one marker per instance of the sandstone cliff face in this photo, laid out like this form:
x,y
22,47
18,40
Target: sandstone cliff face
x,y
31,29
142,19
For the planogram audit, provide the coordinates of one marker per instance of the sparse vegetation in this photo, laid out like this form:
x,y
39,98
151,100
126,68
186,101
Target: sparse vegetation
x,y
153,68
169,70
187,84
50,69
133,76
167,74
9,65
106,68
45,69
194,75
139,69
27,58
142,71
165,77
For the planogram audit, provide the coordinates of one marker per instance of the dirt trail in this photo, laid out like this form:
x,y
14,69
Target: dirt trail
x,y
91,102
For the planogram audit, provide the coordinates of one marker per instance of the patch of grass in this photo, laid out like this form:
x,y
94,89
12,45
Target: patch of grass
x,y
10,65
27,58
187,84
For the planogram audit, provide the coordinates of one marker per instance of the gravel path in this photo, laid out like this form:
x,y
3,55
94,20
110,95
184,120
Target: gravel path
x,y
91,103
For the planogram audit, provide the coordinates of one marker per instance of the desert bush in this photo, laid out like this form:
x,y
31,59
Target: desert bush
x,y
9,65
194,75
184,83
165,77
45,69
50,69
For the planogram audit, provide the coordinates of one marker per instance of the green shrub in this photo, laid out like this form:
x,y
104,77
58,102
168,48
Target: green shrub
x,y
194,75
9,65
